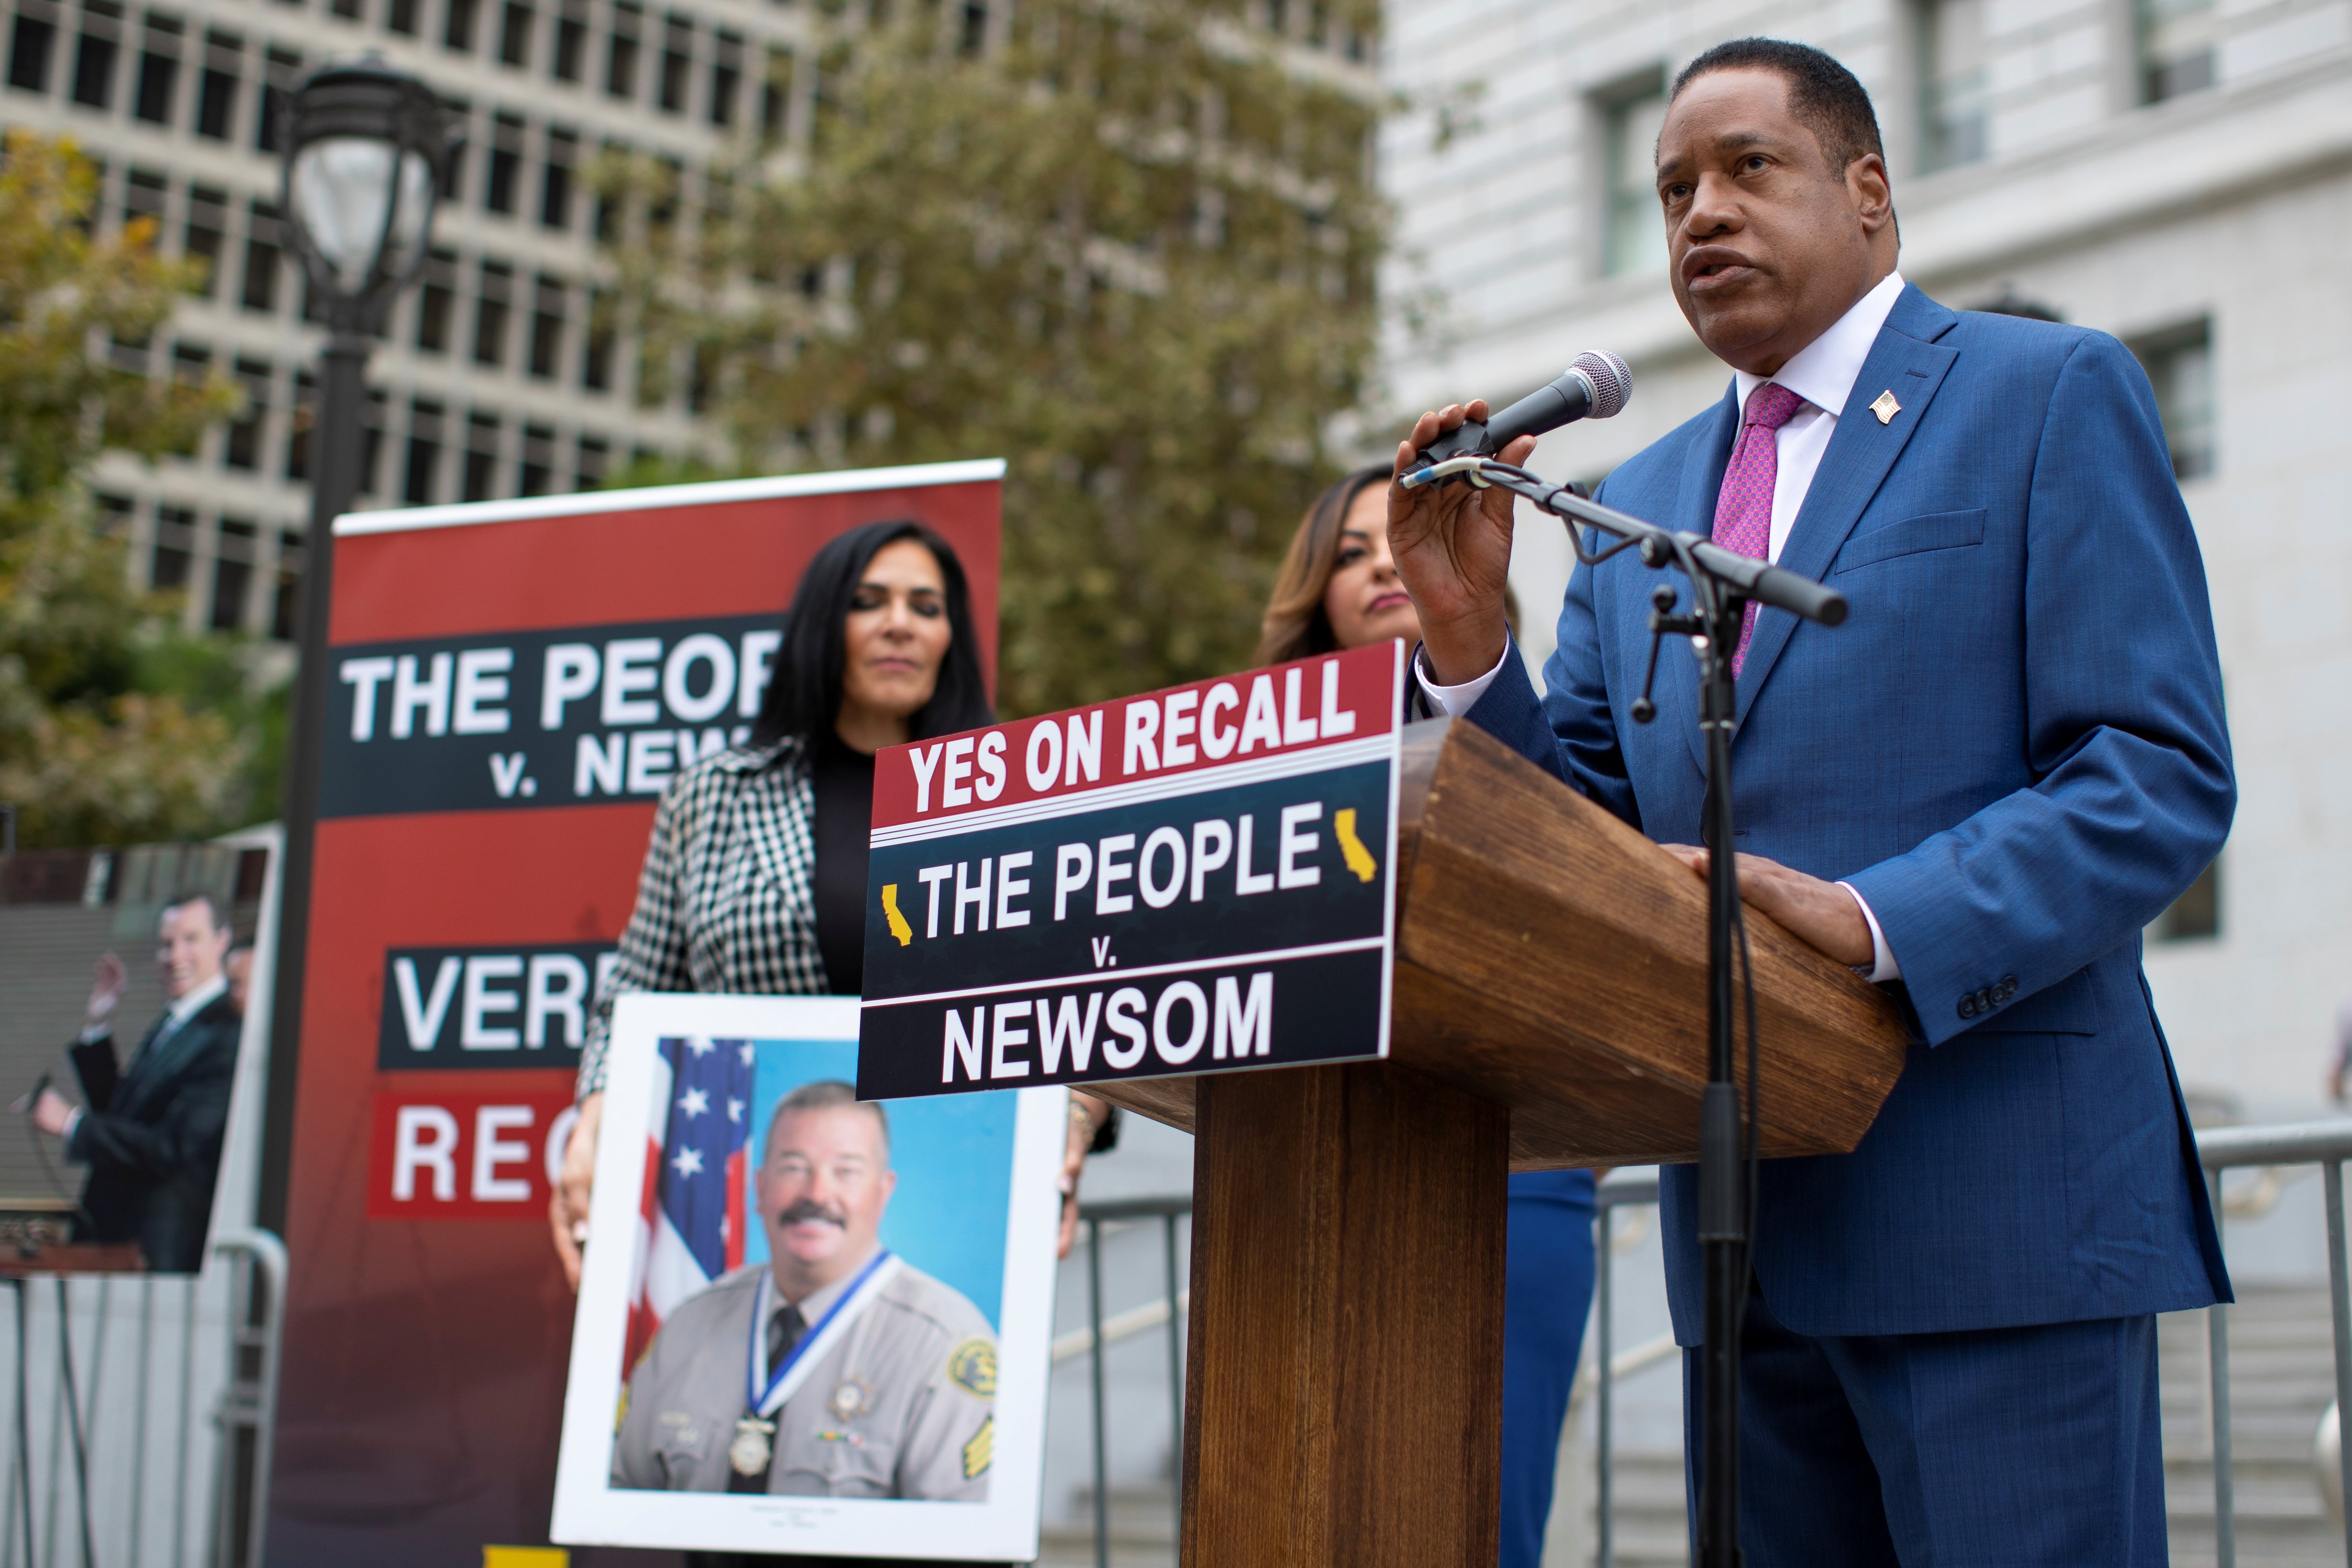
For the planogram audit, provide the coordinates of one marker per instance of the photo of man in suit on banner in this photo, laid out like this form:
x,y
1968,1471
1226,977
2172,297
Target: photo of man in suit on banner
x,y
151,1128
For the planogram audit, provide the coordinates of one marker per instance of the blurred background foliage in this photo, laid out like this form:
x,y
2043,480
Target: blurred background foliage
x,y
1130,250
114,725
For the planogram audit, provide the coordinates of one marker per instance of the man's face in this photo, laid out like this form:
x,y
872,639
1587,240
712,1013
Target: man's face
x,y
189,947
823,1188
1766,243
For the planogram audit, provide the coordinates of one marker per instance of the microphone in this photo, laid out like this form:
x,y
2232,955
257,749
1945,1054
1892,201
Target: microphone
x,y
1596,385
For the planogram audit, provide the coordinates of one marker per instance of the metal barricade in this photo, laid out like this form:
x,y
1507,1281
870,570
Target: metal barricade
x,y
2327,1144
1099,1332
125,1393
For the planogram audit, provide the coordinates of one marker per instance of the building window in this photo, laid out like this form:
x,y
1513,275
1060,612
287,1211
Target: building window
x,y
1635,232
261,259
2196,913
201,240
435,301
216,88
555,188
481,457
282,68
538,474
514,36
159,72
243,449
595,456
2176,46
423,453
596,362
102,27
30,49
232,574
506,163
400,17
621,52
1953,85
349,10
192,366
2180,365
726,80
771,92
490,313
144,194
176,547
457,26
547,329
571,41
677,61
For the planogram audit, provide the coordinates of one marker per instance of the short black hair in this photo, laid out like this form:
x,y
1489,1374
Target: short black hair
x,y
212,911
1823,96
804,693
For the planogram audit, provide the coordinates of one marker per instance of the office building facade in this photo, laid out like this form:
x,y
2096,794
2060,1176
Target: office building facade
x,y
508,369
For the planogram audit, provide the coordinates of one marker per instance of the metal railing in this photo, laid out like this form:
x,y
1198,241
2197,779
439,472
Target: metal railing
x,y
125,1393
1100,1332
2327,1144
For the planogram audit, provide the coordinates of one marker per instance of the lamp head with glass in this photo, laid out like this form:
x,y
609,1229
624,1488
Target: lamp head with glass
x,y
365,145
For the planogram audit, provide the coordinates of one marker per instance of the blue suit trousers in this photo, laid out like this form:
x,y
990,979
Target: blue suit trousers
x,y
1546,1296
2020,1447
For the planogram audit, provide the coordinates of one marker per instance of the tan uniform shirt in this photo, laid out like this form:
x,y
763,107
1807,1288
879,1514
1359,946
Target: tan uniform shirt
x,y
902,1405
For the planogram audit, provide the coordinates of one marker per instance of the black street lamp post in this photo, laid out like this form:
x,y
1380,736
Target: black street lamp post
x,y
364,149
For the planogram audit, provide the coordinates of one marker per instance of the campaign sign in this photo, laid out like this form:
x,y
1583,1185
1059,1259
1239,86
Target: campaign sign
x,y
1196,880
512,685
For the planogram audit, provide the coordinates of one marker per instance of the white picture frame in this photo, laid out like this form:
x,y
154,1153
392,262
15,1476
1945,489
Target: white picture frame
x,y
592,1511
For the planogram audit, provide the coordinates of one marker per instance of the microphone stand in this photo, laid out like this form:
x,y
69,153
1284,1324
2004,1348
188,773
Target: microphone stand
x,y
1722,587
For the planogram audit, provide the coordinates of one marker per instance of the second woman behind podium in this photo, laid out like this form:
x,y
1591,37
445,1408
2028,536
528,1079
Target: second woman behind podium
x,y
1338,589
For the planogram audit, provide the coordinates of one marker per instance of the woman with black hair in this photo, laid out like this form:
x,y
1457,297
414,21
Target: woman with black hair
x,y
754,879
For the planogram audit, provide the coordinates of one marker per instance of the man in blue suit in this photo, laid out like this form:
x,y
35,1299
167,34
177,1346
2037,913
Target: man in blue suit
x,y
1977,792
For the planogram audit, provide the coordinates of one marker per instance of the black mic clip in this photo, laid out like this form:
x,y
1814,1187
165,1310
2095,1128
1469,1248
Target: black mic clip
x,y
1664,623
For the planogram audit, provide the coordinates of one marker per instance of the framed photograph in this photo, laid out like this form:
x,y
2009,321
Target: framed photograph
x,y
808,1323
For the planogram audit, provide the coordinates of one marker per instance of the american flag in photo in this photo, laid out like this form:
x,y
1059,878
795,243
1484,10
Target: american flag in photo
x,y
690,1229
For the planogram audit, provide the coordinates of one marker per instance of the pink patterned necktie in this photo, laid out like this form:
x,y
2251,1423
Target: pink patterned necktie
x,y
1743,509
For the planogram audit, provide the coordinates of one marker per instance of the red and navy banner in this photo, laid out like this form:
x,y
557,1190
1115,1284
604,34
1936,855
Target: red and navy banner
x,y
1194,880
513,684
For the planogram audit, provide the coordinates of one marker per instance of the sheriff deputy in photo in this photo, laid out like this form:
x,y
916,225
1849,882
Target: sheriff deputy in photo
x,y
837,1370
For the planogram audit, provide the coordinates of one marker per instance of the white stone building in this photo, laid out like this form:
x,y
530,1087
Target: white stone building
x,y
2178,172
499,375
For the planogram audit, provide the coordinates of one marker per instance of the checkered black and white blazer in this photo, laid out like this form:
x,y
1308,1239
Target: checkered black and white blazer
x,y
726,900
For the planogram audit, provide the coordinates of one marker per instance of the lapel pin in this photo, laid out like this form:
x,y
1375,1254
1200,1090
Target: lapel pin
x,y
1886,408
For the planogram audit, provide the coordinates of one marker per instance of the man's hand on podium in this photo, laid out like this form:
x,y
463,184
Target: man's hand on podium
x,y
1453,548
1821,915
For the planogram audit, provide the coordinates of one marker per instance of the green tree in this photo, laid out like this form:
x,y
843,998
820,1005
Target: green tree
x,y
102,734
1130,248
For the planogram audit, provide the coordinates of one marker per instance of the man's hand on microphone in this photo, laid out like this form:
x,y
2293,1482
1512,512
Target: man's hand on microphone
x,y
1452,548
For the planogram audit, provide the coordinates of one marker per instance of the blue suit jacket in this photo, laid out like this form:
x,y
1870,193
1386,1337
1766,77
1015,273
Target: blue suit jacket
x,y
2015,748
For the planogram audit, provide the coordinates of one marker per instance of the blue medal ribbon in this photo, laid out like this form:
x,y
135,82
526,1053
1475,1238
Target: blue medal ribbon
x,y
758,1351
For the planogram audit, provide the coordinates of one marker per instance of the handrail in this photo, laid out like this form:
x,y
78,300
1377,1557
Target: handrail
x,y
2294,1143
250,1402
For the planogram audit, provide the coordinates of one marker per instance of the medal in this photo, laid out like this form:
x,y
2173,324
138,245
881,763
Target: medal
x,y
850,1401
751,1451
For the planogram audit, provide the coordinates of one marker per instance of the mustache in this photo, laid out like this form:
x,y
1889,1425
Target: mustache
x,y
809,1211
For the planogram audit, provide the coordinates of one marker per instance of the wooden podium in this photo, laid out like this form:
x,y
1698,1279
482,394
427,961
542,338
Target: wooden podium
x,y
1343,1389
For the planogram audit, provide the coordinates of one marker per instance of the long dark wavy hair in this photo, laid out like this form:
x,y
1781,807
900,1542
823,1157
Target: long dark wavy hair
x,y
804,693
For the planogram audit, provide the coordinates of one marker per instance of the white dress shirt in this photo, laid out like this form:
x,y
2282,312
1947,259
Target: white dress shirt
x,y
1823,372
